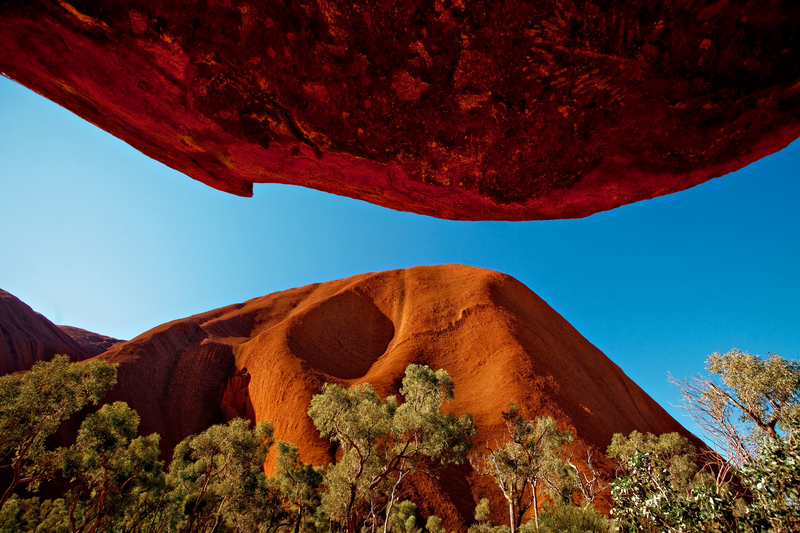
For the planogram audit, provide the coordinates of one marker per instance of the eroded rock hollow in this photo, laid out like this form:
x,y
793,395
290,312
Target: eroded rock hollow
x,y
265,359
456,109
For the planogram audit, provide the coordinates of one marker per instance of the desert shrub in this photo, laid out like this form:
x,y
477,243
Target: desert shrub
x,y
566,518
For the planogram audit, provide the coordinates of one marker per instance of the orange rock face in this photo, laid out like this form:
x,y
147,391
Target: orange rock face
x,y
266,358
466,110
27,337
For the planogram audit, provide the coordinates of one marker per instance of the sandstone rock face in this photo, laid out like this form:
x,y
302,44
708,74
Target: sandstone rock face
x,y
94,343
176,376
266,358
466,110
27,337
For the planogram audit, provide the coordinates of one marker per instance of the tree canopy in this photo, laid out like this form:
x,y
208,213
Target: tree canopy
x,y
531,457
34,405
382,443
749,482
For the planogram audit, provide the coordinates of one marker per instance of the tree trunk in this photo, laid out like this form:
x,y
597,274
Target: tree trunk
x,y
512,515
299,518
392,498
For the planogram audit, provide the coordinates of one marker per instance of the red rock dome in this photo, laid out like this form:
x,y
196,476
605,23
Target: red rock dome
x,y
266,358
27,337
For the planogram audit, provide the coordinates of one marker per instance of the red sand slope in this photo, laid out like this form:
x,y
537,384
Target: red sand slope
x,y
265,358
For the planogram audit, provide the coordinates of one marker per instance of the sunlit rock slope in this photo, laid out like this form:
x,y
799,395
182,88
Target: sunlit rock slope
x,y
265,358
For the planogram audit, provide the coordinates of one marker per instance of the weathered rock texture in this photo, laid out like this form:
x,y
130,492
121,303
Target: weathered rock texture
x,y
94,343
466,110
27,337
265,358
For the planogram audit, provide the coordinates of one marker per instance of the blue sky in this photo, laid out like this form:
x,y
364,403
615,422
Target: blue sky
x,y
96,235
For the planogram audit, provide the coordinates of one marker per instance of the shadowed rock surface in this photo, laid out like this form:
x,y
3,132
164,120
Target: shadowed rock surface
x,y
94,343
27,337
265,358
466,110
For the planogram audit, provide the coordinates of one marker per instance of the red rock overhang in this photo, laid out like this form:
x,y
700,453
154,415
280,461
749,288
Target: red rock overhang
x,y
505,110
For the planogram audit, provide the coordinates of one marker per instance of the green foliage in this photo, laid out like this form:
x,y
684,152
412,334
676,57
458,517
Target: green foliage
x,y
215,483
488,527
115,480
746,399
358,420
30,516
774,482
299,485
530,460
566,518
403,518
434,525
483,511
34,405
483,522
213,474
420,428
113,471
670,457
657,488
754,489
382,442
766,390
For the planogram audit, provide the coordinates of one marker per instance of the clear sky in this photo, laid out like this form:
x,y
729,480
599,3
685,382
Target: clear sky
x,y
94,234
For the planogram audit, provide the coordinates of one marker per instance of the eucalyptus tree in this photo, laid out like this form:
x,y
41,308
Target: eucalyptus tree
x,y
299,485
34,405
774,482
568,518
746,399
749,410
528,458
383,442
113,479
655,477
483,519
213,477
114,472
